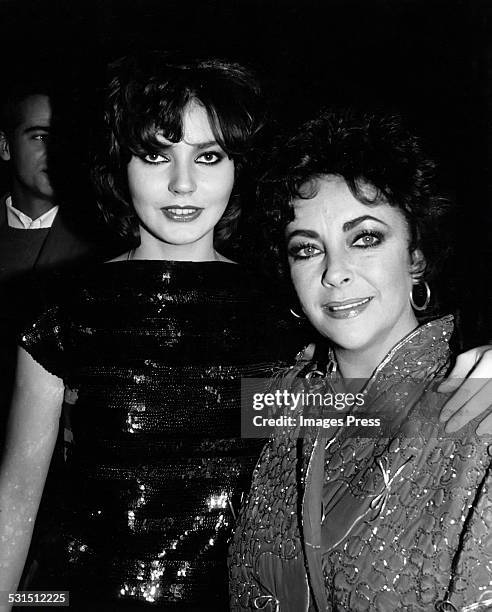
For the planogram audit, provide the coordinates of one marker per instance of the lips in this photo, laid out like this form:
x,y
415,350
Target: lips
x,y
182,214
347,309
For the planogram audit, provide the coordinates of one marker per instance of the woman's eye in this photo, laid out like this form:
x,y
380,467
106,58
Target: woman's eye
x,y
154,158
368,240
304,251
210,157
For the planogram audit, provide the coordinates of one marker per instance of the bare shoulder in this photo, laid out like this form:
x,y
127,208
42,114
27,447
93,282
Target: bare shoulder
x,y
38,394
30,372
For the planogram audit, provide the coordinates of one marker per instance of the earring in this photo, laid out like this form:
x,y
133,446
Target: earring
x,y
427,297
294,313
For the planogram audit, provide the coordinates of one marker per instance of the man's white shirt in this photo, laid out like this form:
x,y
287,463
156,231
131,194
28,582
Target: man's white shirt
x,y
17,219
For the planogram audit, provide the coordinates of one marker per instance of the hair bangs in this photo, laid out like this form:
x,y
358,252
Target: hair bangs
x,y
153,119
146,100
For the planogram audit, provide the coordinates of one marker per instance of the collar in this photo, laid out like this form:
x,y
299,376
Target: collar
x,y
17,219
418,354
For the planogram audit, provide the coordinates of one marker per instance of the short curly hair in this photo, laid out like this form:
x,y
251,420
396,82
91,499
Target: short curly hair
x,y
147,94
365,149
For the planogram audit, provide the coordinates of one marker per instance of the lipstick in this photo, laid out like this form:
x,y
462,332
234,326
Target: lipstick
x,y
181,214
346,309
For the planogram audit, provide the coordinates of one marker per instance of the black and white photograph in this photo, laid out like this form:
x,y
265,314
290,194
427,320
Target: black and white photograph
x,y
245,322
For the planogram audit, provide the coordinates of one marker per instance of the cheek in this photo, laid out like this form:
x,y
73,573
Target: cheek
x,y
23,158
132,178
222,184
139,186
394,275
304,284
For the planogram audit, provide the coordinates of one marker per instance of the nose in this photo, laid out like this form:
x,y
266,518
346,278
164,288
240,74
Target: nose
x,y
337,271
181,181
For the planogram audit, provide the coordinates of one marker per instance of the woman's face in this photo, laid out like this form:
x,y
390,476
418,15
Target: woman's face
x,y
350,266
180,194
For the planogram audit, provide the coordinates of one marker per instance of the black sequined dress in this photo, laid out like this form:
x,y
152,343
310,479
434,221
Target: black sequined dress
x,y
152,354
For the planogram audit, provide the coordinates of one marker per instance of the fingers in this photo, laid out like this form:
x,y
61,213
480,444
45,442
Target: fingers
x,y
475,364
463,366
456,406
449,385
485,427
472,399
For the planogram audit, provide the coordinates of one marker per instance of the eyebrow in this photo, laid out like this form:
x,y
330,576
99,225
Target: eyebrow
x,y
347,226
354,222
197,145
202,145
303,232
37,128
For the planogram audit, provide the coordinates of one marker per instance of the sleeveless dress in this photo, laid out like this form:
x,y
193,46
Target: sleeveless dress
x,y
399,521
152,354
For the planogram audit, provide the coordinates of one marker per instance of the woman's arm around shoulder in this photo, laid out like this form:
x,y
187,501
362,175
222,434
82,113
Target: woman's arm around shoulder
x,y
31,436
470,381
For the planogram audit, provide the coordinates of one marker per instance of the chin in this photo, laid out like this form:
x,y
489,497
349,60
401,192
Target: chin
x,y
180,240
348,342
45,189
345,334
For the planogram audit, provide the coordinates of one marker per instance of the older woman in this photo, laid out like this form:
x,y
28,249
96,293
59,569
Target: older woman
x,y
398,519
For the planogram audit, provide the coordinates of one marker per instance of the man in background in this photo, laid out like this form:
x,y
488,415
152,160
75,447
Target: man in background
x,y
33,235
37,232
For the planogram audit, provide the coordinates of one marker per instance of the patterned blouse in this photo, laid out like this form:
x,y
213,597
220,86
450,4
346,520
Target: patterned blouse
x,y
400,521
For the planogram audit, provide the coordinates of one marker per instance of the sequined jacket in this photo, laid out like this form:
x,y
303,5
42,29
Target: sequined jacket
x,y
399,522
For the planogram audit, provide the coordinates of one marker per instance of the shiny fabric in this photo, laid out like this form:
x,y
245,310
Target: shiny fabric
x,y
353,524
152,354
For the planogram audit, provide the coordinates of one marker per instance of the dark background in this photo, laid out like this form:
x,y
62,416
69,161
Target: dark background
x,y
429,59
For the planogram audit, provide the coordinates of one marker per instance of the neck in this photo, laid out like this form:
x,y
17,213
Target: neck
x,y
30,204
361,363
151,248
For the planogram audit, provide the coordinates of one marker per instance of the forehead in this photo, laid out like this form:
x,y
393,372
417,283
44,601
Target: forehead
x,y
196,126
34,110
333,200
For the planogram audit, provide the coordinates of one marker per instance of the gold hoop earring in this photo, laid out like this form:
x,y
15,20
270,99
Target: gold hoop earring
x,y
423,306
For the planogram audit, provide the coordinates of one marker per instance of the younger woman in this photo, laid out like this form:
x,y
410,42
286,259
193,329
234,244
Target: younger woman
x,y
151,348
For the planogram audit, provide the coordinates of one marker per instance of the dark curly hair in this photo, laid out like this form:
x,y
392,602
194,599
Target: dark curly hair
x,y
365,150
148,94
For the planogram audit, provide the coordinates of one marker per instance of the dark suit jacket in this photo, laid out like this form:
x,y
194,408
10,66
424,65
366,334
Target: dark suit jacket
x,y
27,292
61,246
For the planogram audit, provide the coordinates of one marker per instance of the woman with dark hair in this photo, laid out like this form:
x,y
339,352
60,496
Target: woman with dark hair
x,y
144,95
150,348
389,517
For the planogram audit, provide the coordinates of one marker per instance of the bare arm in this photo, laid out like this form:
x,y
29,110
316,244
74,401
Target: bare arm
x,y
31,437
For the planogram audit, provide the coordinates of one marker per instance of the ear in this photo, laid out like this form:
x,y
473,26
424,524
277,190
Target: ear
x,y
417,265
4,147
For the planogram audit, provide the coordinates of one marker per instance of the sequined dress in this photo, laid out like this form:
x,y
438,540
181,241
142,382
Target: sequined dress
x,y
398,522
152,354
